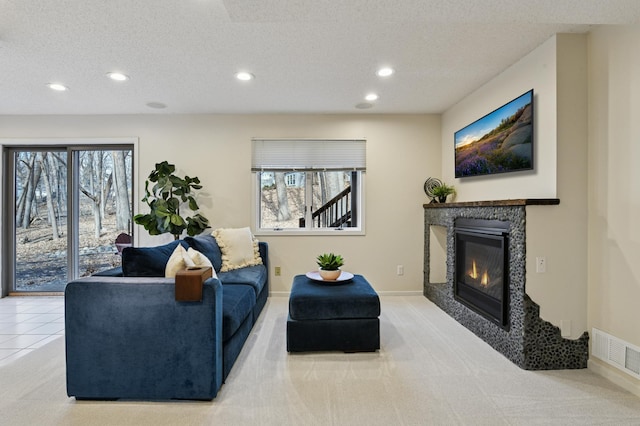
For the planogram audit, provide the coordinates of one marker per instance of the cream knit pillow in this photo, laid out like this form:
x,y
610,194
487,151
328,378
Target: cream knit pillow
x,y
239,248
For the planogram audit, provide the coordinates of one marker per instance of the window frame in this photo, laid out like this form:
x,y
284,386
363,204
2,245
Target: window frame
x,y
308,229
309,156
68,145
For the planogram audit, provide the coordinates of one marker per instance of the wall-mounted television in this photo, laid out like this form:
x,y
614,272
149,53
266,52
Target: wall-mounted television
x,y
499,142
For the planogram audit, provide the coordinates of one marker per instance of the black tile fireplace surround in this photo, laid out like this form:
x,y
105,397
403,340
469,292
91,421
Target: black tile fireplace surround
x,y
527,340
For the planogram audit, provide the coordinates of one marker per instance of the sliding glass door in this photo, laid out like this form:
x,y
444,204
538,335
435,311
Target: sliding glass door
x,y
40,226
64,208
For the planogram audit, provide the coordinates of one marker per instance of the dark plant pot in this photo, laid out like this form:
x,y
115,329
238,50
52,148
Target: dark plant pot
x,y
442,199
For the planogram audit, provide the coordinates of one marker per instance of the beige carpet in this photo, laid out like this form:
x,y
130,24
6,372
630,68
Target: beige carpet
x,y
430,371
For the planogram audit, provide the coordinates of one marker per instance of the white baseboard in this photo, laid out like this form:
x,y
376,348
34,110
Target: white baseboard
x,y
400,293
380,293
618,377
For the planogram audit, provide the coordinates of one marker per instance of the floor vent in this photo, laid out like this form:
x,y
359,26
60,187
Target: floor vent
x,y
616,352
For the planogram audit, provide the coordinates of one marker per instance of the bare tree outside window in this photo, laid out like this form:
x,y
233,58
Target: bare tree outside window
x,y
306,200
284,213
122,178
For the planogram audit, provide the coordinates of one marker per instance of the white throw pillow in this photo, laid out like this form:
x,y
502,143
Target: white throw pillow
x,y
200,260
182,259
239,248
178,261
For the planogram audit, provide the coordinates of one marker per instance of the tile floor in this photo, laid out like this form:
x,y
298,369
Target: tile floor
x,y
27,323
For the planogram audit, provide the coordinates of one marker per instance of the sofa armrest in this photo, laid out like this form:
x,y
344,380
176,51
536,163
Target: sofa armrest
x,y
129,338
263,248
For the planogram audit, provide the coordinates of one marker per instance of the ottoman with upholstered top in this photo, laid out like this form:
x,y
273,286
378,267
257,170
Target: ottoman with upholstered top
x,y
333,317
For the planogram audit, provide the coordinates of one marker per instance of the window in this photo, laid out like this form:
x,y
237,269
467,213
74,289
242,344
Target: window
x,y
295,178
64,208
309,186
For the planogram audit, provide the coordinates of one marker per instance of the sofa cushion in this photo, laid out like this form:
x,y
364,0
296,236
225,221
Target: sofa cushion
x,y
112,272
207,245
237,304
255,276
147,261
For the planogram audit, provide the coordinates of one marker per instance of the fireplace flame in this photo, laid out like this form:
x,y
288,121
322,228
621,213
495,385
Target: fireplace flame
x,y
474,275
474,272
485,279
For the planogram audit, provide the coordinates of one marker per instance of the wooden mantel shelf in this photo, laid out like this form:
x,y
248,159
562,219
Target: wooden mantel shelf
x,y
496,203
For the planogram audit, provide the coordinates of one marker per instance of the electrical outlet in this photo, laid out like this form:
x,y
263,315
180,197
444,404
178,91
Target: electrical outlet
x,y
277,271
400,270
541,264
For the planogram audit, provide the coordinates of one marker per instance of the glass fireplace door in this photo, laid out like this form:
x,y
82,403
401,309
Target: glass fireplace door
x,y
481,268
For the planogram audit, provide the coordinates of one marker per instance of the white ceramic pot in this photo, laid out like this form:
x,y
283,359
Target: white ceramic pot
x,y
329,275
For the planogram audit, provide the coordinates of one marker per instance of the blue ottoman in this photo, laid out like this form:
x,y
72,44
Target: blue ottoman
x,y
333,317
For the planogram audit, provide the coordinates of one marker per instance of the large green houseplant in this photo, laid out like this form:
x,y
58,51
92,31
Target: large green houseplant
x,y
167,195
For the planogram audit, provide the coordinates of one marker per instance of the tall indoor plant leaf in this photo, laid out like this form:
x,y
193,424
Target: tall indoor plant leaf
x,y
166,194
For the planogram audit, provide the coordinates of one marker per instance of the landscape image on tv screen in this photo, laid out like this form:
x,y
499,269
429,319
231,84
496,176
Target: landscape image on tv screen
x,y
499,142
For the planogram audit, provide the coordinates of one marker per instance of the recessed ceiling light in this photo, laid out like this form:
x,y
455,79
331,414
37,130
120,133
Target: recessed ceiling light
x,y
57,87
371,97
156,105
117,76
364,105
385,72
244,76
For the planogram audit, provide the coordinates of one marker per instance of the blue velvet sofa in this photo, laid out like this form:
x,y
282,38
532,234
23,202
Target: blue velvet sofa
x,y
127,337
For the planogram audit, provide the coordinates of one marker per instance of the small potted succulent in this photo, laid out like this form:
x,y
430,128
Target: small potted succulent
x,y
330,264
441,192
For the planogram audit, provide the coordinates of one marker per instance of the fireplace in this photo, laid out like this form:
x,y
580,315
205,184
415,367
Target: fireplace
x,y
481,268
517,331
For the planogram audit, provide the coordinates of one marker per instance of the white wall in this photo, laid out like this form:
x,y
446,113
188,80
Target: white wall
x,y
556,71
535,71
587,127
402,151
559,233
614,188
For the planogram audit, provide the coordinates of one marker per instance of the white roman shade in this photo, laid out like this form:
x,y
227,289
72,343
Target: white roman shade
x,y
308,154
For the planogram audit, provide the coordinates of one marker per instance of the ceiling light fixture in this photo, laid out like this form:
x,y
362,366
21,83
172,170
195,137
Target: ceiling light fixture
x,y
385,72
244,76
57,87
364,105
371,97
156,105
117,76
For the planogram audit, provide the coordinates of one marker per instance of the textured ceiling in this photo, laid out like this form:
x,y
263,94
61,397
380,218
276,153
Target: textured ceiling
x,y
308,56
